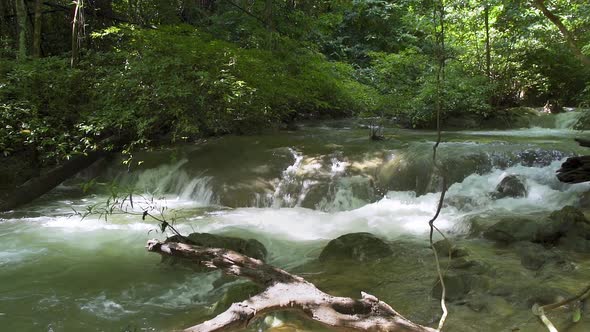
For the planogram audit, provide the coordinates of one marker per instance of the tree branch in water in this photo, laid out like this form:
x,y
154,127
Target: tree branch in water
x,y
285,291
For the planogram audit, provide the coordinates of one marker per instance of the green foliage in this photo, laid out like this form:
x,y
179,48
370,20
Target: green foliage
x,y
217,87
42,109
186,69
407,81
174,82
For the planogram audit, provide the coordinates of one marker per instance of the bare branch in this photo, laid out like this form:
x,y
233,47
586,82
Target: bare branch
x,y
285,291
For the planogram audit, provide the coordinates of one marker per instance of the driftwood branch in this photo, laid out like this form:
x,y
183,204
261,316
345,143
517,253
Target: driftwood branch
x,y
285,291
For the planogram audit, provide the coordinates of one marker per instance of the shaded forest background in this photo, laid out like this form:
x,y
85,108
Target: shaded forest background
x,y
75,73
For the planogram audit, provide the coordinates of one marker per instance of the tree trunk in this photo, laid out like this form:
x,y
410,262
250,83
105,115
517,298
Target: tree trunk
x,y
268,15
569,37
42,184
3,14
441,57
284,291
21,17
488,48
102,11
37,30
76,23
37,186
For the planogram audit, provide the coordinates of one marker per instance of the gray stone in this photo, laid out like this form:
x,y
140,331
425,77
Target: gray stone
x,y
510,186
361,247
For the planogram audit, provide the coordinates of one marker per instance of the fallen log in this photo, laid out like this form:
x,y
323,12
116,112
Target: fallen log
x,y
43,183
285,291
37,186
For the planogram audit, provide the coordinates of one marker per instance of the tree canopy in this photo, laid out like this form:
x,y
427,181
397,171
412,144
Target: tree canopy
x,y
76,72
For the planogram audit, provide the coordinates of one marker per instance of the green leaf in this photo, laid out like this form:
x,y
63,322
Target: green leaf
x,y
577,315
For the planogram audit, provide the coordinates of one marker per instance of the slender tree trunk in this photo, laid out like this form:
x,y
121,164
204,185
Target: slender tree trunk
x,y
37,30
21,17
3,14
102,12
77,22
439,21
268,13
290,5
488,47
569,37
269,22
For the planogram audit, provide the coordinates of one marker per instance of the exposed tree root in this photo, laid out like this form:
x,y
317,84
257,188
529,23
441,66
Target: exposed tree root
x,y
284,291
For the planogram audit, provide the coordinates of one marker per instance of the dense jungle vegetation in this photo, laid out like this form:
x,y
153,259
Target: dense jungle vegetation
x,y
73,73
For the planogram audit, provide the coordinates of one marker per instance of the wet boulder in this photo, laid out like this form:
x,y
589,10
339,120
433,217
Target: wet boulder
x,y
445,247
513,229
457,286
534,256
471,266
510,186
570,220
361,247
567,228
252,248
575,243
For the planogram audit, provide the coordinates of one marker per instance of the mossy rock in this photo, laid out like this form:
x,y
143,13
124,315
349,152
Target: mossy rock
x,y
457,286
509,230
252,248
361,247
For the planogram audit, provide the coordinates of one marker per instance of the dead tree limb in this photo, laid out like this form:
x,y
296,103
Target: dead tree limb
x,y
285,291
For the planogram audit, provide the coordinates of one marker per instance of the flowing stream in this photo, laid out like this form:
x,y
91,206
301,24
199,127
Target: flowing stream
x,y
292,191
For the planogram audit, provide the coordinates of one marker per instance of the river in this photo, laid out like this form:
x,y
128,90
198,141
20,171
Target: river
x,y
293,191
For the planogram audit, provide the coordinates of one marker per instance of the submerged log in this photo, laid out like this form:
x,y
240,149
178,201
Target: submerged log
x,y
285,291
